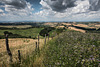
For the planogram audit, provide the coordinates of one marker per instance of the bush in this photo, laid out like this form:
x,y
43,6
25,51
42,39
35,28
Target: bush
x,y
58,31
46,31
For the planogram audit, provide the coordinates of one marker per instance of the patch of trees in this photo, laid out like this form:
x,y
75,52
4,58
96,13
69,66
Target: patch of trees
x,y
14,28
20,23
46,31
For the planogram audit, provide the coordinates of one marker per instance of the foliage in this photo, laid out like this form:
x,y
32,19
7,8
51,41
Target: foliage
x,y
60,30
46,31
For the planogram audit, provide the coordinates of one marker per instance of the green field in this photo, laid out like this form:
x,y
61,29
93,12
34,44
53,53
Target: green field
x,y
26,32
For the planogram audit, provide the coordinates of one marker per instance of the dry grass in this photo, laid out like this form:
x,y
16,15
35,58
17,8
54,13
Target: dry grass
x,y
97,25
19,26
39,60
51,24
81,25
60,27
27,46
67,24
73,28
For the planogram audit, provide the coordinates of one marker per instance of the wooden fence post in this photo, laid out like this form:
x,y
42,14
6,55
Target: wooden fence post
x,y
36,46
7,47
45,38
19,56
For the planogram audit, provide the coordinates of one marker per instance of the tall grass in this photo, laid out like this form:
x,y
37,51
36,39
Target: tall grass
x,y
73,49
69,49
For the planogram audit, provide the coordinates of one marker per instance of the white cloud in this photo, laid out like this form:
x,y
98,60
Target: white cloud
x,y
13,13
80,11
26,11
17,4
95,5
53,10
1,11
57,5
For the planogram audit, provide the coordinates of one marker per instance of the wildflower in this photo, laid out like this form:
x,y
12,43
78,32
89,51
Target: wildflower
x,y
93,45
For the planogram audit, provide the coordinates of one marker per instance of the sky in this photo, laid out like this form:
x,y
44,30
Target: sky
x,y
50,10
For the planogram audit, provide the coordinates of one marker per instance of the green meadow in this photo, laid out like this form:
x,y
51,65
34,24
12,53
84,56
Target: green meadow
x,y
26,32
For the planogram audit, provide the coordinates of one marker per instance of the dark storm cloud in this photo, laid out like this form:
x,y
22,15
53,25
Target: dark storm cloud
x,y
60,5
17,4
94,5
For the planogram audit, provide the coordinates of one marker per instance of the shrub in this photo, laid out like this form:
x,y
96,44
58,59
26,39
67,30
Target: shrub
x,y
46,31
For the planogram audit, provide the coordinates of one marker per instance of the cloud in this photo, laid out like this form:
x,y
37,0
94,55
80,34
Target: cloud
x,y
58,5
17,7
1,11
52,10
13,11
22,13
64,5
17,4
94,5
80,7
76,10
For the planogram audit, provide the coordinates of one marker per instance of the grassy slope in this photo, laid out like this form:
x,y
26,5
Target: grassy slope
x,y
27,32
69,49
72,49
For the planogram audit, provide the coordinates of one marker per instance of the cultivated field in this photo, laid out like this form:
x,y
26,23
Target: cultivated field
x,y
50,24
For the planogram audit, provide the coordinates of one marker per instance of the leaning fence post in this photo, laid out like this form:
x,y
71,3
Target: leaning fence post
x,y
7,47
19,56
45,38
